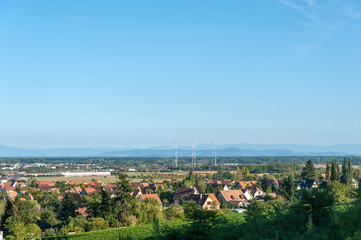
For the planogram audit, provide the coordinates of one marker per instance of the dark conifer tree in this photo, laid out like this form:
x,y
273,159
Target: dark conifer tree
x,y
328,171
349,173
309,171
334,171
344,173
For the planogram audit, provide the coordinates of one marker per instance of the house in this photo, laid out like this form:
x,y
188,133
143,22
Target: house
x,y
183,192
234,196
94,184
154,196
72,183
110,185
11,194
277,183
45,187
87,191
255,192
75,190
208,181
244,184
206,201
136,193
7,188
52,184
24,193
308,184
273,195
82,211
355,182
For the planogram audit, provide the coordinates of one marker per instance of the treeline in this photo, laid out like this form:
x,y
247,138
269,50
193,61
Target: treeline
x,y
183,161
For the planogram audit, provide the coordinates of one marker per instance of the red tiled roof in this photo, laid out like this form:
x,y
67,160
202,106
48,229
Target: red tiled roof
x,y
233,196
8,188
12,195
89,190
213,197
82,211
52,184
154,196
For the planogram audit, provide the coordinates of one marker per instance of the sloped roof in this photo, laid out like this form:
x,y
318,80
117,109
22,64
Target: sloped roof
x,y
244,184
12,195
82,211
8,188
184,192
89,190
154,196
213,197
233,196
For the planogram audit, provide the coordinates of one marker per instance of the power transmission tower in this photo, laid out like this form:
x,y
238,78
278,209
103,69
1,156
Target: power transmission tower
x,y
192,153
215,153
195,154
176,153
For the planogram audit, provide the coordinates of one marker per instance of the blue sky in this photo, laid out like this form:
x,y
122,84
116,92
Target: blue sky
x,y
143,73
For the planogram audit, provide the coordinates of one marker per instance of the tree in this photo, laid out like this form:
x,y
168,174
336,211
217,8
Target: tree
x,y
202,224
245,172
67,207
201,186
8,212
33,231
347,172
288,188
309,171
344,172
318,203
238,174
328,171
209,188
335,171
350,173
174,212
149,209
123,202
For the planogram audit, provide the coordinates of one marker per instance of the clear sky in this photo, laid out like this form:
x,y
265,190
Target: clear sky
x,y
143,73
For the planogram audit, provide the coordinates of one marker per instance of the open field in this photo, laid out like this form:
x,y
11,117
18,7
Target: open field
x,y
107,179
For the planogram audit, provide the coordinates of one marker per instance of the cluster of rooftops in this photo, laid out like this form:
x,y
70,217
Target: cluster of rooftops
x,y
239,193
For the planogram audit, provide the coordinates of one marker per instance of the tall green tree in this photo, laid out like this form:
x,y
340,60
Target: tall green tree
x,y
347,172
309,171
67,207
123,203
288,188
344,172
328,171
335,176
350,173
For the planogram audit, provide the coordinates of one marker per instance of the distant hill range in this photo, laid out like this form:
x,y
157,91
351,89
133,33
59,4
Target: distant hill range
x,y
227,150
